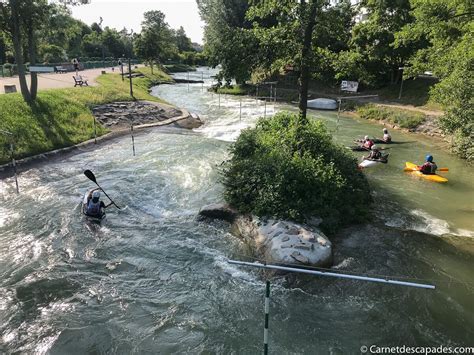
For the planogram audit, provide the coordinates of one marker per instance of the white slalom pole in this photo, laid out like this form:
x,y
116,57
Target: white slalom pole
x,y
333,274
267,311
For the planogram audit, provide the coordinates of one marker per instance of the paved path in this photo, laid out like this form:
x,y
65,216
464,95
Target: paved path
x,y
55,81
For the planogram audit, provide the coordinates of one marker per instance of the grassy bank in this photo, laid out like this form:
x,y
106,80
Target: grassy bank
x,y
62,117
398,117
234,90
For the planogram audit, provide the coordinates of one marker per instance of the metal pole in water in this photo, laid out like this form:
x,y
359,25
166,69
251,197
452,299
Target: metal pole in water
x,y
241,108
265,109
267,311
188,78
202,79
133,139
333,274
12,150
95,130
219,100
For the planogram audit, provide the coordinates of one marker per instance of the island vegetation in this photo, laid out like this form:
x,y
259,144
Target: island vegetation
x,y
287,170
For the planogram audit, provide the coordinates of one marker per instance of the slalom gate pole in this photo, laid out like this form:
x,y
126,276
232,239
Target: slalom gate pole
x,y
267,311
133,139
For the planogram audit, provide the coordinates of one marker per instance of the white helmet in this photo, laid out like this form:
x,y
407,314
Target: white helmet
x,y
96,194
374,147
366,137
385,130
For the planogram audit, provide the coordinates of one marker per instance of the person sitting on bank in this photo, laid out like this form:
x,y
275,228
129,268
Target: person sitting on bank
x,y
387,138
375,154
368,143
429,167
95,207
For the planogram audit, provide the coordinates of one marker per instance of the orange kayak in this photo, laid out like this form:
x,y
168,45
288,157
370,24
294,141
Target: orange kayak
x,y
431,177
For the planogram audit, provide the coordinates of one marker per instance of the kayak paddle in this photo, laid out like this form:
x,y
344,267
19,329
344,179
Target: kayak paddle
x,y
90,175
414,169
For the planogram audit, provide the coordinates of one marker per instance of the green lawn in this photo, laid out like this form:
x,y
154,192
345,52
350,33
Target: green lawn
x,y
62,117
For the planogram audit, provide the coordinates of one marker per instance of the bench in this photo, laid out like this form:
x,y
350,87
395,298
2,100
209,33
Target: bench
x,y
79,80
60,69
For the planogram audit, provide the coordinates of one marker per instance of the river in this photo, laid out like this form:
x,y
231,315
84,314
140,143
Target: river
x,y
153,280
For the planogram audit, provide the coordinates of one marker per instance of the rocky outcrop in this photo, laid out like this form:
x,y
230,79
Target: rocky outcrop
x,y
218,211
276,241
285,241
119,114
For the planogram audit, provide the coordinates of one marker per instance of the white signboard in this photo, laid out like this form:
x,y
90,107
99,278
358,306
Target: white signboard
x,y
33,69
349,86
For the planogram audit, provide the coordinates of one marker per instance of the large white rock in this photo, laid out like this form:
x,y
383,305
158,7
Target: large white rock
x,y
285,241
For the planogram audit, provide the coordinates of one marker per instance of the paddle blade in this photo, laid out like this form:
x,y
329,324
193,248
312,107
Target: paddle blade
x,y
443,169
90,175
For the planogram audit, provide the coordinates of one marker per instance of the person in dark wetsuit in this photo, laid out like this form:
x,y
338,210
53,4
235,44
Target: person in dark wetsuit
x,y
375,154
429,167
95,207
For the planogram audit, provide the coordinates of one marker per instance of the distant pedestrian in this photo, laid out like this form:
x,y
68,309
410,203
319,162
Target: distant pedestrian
x,y
75,62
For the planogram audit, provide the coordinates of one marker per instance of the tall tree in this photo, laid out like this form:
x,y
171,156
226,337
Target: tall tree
x,y
448,29
228,39
154,43
183,42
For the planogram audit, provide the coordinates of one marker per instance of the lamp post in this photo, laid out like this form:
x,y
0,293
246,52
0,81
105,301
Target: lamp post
x,y
401,84
103,55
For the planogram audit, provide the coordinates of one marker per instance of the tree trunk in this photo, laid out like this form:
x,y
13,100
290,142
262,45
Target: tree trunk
x,y
32,52
305,54
16,38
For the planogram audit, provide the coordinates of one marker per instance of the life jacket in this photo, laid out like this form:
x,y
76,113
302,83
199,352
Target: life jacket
x,y
387,138
375,154
428,168
368,143
93,208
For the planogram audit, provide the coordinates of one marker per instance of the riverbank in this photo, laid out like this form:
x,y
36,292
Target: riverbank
x,y
414,113
63,117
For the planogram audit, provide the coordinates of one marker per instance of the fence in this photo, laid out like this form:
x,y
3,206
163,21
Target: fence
x,y
8,70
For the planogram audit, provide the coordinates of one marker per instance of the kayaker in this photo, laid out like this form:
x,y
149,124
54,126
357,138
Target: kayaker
x,y
368,143
387,138
375,154
429,167
95,206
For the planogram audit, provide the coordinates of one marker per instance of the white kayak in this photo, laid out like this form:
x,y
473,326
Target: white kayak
x,y
367,163
322,104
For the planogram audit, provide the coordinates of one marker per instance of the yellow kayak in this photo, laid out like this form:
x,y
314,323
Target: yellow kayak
x,y
432,177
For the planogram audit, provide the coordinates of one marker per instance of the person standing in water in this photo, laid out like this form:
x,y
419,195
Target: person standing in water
x,y
429,167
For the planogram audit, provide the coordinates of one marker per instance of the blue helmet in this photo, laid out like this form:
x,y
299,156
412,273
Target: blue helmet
x,y
429,158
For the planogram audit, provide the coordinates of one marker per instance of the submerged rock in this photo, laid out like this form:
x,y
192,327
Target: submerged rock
x,y
218,211
276,241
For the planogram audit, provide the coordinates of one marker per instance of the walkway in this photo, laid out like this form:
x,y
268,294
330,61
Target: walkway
x,y
56,81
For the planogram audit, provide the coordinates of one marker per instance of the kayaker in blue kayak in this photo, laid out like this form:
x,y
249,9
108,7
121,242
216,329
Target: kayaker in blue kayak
x,y
429,167
95,207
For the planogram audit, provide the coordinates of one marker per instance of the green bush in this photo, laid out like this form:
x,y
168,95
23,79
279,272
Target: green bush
x,y
402,118
294,172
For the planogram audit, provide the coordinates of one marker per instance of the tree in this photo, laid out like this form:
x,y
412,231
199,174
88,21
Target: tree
x,y
372,57
154,43
288,28
448,27
229,41
22,20
183,42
